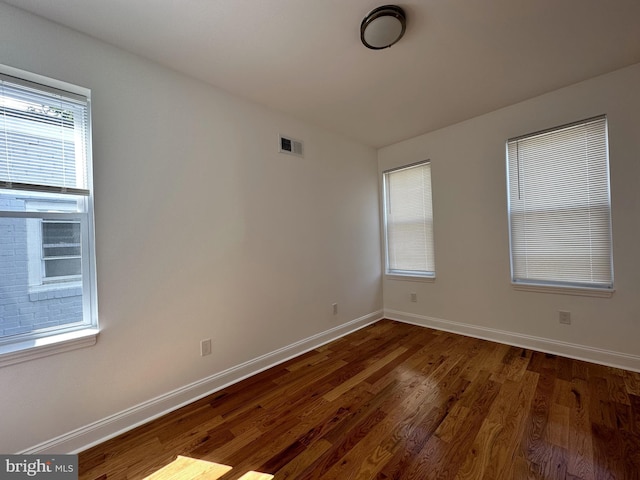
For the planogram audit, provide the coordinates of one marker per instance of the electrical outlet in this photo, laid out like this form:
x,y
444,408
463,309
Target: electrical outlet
x,y
335,308
205,347
414,297
564,317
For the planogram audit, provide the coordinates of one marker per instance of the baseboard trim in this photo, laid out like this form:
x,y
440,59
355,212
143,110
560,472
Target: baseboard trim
x,y
109,427
556,347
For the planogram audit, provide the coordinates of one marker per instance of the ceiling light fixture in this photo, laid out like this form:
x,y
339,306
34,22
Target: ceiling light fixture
x,y
382,27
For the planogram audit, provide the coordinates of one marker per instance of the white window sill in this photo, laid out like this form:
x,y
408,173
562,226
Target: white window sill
x,y
55,290
580,291
410,278
47,287
43,347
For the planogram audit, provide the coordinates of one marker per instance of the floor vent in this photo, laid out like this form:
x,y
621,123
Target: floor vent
x,y
289,145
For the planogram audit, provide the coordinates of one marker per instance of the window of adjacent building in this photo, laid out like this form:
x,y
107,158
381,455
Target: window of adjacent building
x,y
559,206
47,267
408,220
61,251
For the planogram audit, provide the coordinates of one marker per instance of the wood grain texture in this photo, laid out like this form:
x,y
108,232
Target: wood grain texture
x,y
397,401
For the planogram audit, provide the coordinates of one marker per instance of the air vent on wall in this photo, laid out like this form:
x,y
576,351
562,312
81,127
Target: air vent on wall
x,y
289,145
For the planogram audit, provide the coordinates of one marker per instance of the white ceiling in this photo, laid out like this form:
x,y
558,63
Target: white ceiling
x,y
458,58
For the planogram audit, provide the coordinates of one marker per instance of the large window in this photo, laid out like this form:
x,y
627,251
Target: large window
x,y
47,267
409,221
559,207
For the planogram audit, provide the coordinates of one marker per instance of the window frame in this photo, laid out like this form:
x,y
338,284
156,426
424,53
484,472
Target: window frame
x,y
51,340
402,274
561,286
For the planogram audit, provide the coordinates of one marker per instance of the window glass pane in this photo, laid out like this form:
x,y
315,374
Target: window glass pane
x,y
61,234
62,267
61,251
25,309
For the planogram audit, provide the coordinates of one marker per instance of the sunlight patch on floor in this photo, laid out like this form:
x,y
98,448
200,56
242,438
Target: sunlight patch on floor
x,y
256,476
185,468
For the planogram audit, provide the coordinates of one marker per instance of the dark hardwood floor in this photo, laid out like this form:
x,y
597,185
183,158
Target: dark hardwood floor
x,y
396,401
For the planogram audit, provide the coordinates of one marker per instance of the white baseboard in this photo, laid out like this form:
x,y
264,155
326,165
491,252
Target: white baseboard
x,y
97,432
565,349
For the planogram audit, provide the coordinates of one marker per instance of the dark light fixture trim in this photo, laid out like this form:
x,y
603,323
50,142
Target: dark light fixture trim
x,y
383,27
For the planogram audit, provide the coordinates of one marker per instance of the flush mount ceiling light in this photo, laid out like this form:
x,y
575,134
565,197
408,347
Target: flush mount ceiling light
x,y
382,27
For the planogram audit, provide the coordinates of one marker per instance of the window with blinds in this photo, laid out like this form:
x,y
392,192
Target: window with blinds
x,y
47,266
43,138
559,206
409,221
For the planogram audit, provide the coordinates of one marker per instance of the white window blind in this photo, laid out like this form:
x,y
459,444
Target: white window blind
x,y
559,206
43,138
409,221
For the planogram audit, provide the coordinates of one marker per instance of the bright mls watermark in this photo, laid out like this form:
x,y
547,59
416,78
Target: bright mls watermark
x,y
50,467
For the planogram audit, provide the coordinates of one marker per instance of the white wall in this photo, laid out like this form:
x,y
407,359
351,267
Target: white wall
x,y
203,230
473,287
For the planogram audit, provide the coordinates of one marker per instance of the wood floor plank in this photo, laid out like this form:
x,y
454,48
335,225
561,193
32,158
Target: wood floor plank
x,y
535,447
635,413
416,439
308,359
360,377
632,383
580,441
396,401
558,430
387,435
294,468
496,442
214,450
